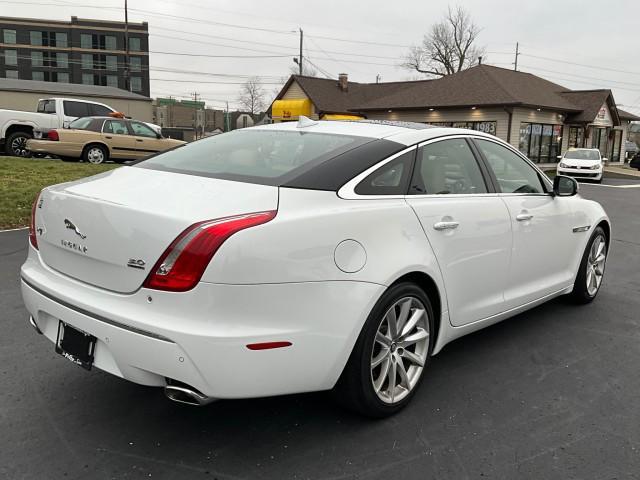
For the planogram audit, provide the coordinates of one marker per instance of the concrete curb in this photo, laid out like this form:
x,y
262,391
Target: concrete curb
x,y
14,229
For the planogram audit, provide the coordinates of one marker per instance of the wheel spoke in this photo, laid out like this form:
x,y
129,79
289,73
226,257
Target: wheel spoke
x,y
383,339
392,322
421,334
413,358
413,320
402,372
384,371
600,249
391,388
384,353
405,309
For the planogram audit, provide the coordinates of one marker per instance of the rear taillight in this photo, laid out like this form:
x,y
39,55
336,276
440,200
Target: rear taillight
x,y
181,266
53,135
32,226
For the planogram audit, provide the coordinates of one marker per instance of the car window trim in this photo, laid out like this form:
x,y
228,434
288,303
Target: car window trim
x,y
488,183
544,180
347,191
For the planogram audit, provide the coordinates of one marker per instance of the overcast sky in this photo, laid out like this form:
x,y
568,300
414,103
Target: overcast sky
x,y
585,45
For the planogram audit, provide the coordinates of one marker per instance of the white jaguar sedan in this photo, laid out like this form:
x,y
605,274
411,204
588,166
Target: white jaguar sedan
x,y
304,256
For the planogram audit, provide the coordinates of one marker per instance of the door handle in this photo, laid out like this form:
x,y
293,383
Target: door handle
x,y
139,140
108,137
445,225
523,217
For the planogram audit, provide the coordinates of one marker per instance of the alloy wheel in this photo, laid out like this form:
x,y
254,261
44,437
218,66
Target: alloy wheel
x,y
19,147
595,264
400,350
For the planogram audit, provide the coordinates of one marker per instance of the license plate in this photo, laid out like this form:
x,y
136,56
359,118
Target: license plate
x,y
37,135
75,345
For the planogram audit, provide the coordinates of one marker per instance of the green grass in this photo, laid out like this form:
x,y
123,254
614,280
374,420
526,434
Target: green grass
x,y
22,178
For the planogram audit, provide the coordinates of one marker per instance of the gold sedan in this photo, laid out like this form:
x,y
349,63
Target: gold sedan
x,y
98,139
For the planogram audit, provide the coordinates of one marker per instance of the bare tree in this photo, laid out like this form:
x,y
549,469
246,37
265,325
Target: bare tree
x,y
449,47
252,95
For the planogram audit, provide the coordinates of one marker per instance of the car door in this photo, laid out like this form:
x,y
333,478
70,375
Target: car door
x,y
543,243
115,134
146,139
466,224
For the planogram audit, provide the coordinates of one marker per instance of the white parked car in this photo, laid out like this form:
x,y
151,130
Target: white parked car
x,y
584,163
300,257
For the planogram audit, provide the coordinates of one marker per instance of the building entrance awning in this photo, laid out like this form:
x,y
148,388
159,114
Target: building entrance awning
x,y
291,109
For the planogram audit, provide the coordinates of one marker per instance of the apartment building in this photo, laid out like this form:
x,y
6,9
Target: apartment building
x,y
84,51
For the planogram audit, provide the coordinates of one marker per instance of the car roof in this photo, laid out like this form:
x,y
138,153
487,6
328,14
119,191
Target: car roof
x,y
407,133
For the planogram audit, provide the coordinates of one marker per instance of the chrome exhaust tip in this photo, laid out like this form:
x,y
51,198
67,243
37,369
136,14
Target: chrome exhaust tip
x,y
33,323
187,395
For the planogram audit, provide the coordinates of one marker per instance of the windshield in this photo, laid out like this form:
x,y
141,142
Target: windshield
x,y
270,157
81,123
583,154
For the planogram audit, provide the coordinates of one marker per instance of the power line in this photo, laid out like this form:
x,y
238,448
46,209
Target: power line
x,y
566,62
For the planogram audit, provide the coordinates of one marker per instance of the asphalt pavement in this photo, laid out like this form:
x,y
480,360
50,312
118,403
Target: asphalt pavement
x,y
553,393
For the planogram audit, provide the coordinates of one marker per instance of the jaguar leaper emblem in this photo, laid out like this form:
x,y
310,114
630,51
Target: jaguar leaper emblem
x,y
69,225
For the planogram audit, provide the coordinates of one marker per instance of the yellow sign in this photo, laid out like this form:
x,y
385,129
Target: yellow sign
x,y
291,109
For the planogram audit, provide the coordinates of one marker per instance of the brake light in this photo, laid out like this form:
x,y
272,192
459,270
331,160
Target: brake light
x,y
32,226
181,266
53,135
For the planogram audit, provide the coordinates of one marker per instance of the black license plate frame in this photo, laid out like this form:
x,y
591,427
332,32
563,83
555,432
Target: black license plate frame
x,y
75,345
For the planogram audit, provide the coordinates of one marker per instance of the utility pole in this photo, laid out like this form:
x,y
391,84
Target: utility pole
x,y
515,64
300,56
378,77
127,82
195,114
227,125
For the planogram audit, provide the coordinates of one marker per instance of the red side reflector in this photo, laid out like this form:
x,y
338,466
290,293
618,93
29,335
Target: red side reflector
x,y
268,345
32,226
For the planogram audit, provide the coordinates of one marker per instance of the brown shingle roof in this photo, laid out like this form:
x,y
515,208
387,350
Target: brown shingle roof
x,y
589,102
624,115
482,85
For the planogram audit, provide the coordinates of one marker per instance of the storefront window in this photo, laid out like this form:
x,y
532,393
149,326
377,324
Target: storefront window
x,y
614,155
542,143
576,137
599,138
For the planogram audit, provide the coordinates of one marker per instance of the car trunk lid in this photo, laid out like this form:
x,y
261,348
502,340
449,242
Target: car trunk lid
x,y
110,229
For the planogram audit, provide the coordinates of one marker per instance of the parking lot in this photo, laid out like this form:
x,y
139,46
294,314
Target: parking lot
x,y
550,394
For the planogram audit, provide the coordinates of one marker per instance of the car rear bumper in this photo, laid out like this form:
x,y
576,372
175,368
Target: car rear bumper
x,y
55,148
200,337
581,173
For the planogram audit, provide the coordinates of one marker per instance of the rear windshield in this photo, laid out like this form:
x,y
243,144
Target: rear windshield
x,y
583,155
81,123
270,157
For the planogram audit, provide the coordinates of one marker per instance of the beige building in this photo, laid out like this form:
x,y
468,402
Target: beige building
x,y
186,119
540,118
24,95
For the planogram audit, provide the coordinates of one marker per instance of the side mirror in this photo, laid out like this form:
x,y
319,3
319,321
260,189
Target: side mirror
x,y
158,135
564,186
605,159
65,124
559,157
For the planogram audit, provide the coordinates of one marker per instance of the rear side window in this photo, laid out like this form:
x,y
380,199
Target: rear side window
x,y
269,157
117,127
447,167
99,110
390,179
46,106
513,173
76,109
85,123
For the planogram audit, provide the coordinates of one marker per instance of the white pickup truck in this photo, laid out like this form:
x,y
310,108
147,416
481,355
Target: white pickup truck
x,y
16,127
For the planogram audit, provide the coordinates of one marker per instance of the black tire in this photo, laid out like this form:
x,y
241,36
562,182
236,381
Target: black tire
x,y
580,293
89,156
69,159
354,389
16,144
38,155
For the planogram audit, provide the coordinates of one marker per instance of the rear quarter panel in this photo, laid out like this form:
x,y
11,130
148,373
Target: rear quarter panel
x,y
299,244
